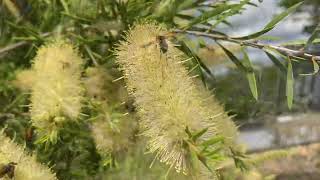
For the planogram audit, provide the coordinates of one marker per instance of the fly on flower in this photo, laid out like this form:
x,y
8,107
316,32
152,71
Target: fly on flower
x,y
8,170
161,41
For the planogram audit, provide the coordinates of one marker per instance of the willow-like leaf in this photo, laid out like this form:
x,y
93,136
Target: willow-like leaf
x,y
254,35
276,62
209,14
272,23
184,47
234,59
214,140
199,134
289,86
250,75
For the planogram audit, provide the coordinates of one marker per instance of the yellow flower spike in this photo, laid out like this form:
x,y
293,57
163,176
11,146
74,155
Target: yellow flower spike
x,y
167,100
26,168
56,91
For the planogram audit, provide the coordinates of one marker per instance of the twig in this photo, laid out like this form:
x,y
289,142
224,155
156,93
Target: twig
x,y
17,45
12,46
283,50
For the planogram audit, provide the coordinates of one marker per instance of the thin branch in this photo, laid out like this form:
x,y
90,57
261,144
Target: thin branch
x,y
283,50
17,45
12,46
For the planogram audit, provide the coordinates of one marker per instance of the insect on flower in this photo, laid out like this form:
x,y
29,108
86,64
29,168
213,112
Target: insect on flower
x,y
7,169
161,41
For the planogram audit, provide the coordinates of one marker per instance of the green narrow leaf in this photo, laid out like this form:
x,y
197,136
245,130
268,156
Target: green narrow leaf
x,y
281,16
213,140
213,152
315,68
209,14
269,38
254,35
235,60
276,62
252,4
204,162
184,16
271,24
313,36
223,16
188,132
289,87
299,42
184,48
250,75
199,134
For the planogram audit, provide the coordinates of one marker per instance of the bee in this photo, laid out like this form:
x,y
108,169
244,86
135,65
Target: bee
x,y
162,43
8,170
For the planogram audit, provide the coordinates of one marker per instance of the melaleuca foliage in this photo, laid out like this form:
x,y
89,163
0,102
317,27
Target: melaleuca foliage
x,y
81,118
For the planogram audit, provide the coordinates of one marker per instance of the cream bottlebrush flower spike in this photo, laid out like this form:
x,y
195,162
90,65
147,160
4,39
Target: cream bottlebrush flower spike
x,y
168,101
56,90
26,168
